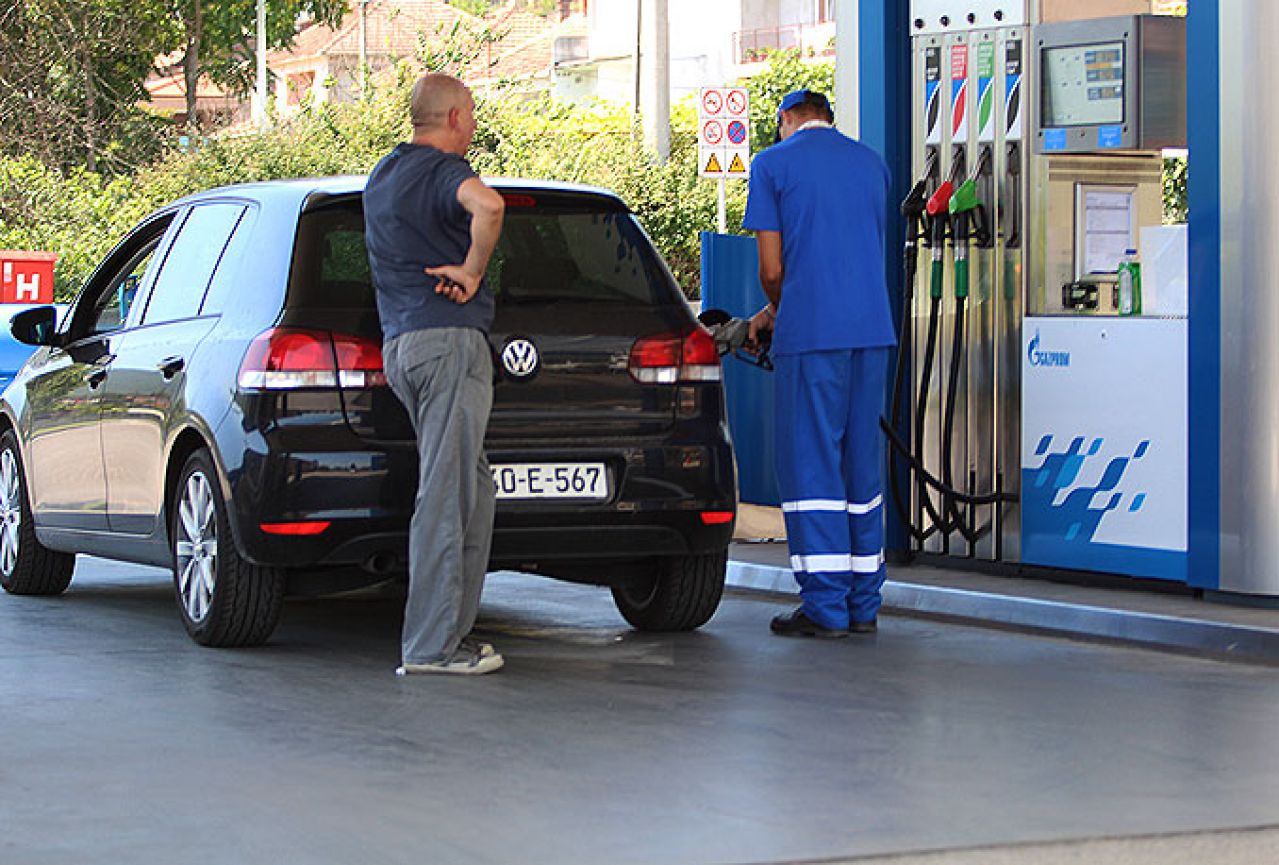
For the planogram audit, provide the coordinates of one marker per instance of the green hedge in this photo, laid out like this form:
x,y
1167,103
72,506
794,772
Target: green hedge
x,y
80,215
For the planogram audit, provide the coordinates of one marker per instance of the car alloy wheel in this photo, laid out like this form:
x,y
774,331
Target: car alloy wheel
x,y
10,512
27,567
197,547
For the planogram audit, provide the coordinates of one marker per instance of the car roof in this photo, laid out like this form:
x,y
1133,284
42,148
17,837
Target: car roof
x,y
297,192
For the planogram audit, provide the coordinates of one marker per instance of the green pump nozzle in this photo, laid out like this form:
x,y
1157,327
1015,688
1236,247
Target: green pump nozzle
x,y
964,198
963,202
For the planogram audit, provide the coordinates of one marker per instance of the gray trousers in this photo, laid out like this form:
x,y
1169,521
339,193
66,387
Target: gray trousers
x,y
444,377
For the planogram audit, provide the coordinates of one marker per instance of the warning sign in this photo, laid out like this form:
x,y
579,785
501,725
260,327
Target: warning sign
x,y
710,161
723,133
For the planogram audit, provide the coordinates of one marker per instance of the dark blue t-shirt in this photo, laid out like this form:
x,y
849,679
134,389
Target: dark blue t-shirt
x,y
828,196
413,220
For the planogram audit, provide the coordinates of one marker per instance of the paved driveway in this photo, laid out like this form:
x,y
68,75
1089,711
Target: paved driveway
x,y
123,742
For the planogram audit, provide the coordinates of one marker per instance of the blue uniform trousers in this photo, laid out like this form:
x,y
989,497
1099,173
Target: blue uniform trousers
x,y
830,473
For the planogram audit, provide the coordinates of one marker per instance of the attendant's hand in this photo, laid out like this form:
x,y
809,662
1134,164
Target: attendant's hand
x,y
455,282
761,323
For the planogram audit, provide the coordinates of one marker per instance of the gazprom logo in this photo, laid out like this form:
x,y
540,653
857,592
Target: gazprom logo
x,y
1045,358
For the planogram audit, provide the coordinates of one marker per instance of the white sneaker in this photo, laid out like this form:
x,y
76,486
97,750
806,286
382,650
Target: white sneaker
x,y
466,661
479,647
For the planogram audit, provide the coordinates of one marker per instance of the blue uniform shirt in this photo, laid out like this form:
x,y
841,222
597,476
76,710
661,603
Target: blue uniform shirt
x,y
828,196
413,220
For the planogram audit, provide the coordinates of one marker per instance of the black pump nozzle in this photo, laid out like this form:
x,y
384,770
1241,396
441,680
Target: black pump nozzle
x,y
915,204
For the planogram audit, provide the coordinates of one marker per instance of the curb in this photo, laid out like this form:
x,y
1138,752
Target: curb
x,y
1173,633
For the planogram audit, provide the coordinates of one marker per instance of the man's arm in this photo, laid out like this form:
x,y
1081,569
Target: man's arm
x,y
460,282
770,264
770,277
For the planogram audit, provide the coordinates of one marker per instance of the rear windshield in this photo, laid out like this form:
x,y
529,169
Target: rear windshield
x,y
566,248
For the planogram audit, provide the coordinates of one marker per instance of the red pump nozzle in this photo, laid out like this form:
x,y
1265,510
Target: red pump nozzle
x,y
939,204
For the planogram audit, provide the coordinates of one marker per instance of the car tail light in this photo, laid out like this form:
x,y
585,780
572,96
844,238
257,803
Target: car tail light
x,y
293,358
716,518
302,529
700,359
673,358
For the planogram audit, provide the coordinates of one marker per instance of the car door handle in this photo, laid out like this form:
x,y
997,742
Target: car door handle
x,y
171,366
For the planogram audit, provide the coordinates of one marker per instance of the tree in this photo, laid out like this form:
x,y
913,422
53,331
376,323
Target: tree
x,y
785,72
218,37
71,79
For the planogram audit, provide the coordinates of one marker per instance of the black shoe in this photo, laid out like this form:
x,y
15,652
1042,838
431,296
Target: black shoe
x,y
796,624
863,627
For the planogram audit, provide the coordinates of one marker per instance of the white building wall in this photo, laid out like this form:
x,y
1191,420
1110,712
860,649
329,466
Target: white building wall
x,y
701,44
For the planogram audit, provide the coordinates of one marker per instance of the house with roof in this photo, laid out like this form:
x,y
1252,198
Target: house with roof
x,y
167,95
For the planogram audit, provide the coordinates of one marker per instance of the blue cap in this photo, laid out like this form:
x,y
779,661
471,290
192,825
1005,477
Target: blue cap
x,y
803,97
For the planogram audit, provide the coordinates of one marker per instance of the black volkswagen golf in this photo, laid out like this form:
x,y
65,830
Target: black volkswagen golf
x,y
215,403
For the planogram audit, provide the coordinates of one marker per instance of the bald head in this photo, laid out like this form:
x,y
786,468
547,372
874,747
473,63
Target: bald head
x,y
443,113
434,95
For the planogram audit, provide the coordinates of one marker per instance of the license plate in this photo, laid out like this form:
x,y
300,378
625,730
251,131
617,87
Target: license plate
x,y
550,481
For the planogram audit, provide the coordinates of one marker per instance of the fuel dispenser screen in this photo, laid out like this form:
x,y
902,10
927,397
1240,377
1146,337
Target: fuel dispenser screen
x,y
1083,85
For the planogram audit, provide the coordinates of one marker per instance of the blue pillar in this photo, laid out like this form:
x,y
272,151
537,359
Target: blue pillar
x,y
884,120
1203,122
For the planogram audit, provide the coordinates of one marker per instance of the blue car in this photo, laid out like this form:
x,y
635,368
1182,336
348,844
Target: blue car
x,y
14,354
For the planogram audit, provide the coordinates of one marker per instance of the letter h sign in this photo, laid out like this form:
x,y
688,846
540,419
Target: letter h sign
x,y
26,277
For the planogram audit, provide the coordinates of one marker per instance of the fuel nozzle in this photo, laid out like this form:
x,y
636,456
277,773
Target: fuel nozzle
x,y
963,204
915,204
914,208
938,207
939,203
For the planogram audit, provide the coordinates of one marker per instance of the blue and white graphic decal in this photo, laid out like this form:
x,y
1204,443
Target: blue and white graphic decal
x,y
1078,509
1104,449
1068,496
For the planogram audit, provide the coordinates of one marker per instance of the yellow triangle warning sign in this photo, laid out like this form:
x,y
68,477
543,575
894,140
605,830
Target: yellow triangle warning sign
x,y
737,166
712,165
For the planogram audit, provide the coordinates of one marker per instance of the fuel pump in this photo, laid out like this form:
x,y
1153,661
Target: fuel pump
x,y
1036,152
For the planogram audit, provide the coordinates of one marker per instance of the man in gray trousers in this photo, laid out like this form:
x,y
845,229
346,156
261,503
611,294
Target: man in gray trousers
x,y
431,225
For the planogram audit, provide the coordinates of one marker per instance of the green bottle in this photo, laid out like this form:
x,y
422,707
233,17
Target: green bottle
x,y
1130,284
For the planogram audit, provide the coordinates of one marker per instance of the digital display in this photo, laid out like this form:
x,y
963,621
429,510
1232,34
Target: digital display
x,y
1084,85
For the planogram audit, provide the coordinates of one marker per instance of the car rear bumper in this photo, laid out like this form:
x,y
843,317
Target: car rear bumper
x,y
658,495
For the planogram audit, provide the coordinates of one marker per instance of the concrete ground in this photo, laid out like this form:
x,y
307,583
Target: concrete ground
x,y
123,742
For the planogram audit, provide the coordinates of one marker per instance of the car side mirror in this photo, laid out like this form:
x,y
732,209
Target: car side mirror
x,y
37,326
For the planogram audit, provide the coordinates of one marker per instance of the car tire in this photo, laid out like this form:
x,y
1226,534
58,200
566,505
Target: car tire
x,y
682,594
224,600
27,567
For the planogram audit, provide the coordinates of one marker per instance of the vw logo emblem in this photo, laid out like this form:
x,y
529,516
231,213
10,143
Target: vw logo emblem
x,y
520,358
